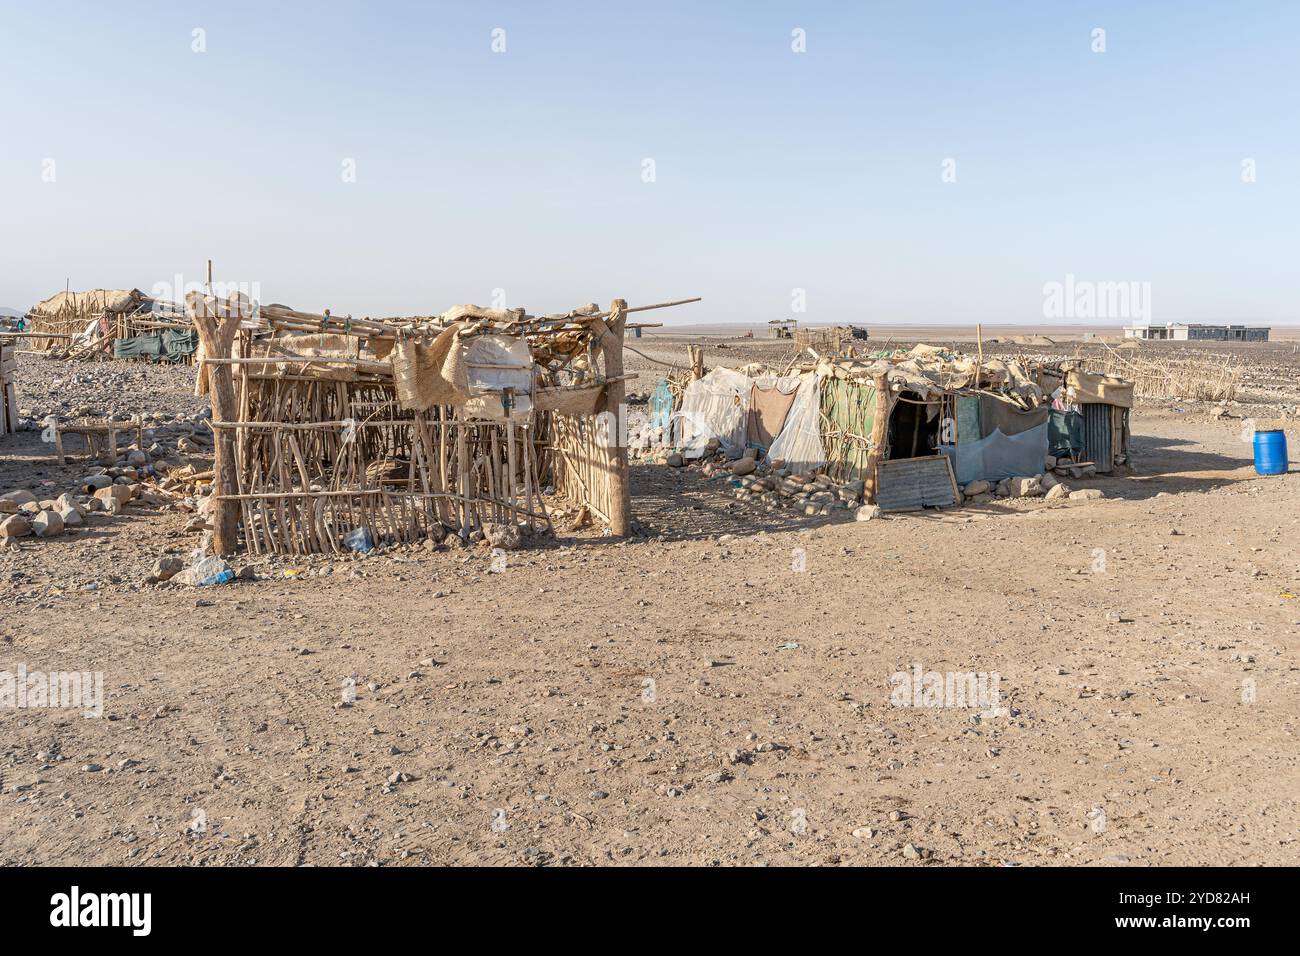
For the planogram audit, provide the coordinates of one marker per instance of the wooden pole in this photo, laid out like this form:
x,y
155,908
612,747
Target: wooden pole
x,y
217,325
879,430
620,493
695,355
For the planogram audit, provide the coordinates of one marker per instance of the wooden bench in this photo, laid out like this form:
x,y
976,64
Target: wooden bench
x,y
100,437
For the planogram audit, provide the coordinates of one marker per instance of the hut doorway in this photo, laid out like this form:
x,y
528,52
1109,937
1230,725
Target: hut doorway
x,y
913,427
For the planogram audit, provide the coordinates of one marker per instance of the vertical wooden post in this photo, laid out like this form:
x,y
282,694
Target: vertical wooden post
x,y
879,431
696,355
217,322
620,492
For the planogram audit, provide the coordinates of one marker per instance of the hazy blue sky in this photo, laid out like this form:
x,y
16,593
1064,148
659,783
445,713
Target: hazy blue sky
x,y
774,170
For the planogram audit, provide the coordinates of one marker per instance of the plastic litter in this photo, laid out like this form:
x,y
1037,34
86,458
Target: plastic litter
x,y
359,539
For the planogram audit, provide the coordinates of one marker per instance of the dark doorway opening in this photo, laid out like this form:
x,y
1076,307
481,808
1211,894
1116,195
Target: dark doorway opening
x,y
912,433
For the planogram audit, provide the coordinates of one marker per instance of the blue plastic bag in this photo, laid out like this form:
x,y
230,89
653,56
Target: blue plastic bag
x,y
358,539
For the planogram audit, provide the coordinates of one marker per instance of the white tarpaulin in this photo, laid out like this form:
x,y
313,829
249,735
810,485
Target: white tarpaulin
x,y
800,443
715,406
494,364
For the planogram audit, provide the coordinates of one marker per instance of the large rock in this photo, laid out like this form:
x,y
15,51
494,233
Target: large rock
x,y
19,495
503,536
47,524
977,487
1058,490
72,517
1026,487
1086,494
119,493
15,526
866,513
743,466
202,571
8,506
166,568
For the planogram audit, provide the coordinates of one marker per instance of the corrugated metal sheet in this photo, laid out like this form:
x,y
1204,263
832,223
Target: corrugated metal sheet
x,y
1096,436
909,484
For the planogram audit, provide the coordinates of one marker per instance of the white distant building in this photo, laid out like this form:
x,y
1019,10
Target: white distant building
x,y
1195,332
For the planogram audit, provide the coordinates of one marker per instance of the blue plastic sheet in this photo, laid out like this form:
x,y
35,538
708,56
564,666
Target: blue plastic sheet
x,y
661,405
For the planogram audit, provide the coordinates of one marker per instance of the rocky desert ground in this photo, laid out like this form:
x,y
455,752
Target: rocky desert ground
x,y
714,691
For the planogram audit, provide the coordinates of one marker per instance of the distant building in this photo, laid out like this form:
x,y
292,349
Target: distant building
x,y
1195,332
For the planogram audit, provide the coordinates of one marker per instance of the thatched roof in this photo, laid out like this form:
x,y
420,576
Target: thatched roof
x,y
94,302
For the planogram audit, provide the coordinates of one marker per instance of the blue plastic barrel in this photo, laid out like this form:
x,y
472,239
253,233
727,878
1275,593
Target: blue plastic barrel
x,y
1270,452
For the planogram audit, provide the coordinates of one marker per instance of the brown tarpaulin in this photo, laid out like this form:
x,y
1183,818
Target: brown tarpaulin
x,y
1008,417
768,409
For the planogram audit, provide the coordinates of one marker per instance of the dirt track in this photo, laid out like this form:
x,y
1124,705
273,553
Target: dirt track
x,y
513,701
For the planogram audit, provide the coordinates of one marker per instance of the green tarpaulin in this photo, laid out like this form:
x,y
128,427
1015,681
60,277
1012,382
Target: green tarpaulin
x,y
171,345
1064,434
849,410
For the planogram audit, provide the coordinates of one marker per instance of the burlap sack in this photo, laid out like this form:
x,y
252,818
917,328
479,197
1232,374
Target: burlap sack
x,y
429,375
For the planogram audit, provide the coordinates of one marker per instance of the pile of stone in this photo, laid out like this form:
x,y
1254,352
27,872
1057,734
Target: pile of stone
x,y
22,513
776,486
165,435
1046,485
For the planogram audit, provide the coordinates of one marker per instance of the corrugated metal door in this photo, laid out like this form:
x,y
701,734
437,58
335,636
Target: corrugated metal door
x,y
1096,436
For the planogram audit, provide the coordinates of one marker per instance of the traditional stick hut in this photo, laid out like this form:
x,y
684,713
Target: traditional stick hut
x,y
333,433
101,323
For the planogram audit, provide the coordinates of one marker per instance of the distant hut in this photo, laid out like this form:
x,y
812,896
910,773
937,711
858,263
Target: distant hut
x,y
118,323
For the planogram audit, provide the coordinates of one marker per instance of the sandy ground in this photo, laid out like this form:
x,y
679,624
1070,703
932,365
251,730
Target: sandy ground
x,y
717,691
